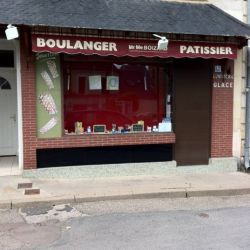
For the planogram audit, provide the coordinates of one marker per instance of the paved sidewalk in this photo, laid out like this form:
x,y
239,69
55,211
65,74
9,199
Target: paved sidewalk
x,y
76,190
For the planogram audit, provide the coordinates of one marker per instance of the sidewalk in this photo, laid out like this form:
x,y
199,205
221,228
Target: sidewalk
x,y
79,190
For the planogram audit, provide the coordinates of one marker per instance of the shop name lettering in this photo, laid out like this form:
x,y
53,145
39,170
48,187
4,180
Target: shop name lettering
x,y
223,84
112,46
223,81
206,50
76,45
142,47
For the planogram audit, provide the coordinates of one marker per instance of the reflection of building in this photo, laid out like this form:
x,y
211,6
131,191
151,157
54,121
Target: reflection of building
x,y
194,77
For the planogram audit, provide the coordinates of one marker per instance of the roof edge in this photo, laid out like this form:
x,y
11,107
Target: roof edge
x,y
188,1
245,25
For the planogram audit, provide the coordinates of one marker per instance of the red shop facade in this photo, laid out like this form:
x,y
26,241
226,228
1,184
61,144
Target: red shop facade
x,y
91,100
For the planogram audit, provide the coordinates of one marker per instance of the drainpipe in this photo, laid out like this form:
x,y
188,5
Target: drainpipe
x,y
247,127
247,133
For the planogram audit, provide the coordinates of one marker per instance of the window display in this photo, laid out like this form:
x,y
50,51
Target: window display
x,y
95,82
100,129
48,96
123,97
112,83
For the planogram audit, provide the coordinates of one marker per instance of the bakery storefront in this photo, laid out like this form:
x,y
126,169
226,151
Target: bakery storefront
x,y
111,100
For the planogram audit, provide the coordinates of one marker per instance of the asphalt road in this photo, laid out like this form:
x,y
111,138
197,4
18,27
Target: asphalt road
x,y
193,223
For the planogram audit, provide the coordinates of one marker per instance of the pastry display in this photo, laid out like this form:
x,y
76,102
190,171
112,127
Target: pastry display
x,y
52,68
49,125
47,79
48,103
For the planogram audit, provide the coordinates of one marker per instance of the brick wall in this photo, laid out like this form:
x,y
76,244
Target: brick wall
x,y
28,105
222,123
222,115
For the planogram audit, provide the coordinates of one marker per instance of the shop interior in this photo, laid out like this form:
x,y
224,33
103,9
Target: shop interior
x,y
115,95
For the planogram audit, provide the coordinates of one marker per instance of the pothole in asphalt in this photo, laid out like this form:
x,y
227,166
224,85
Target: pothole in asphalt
x,y
58,212
203,215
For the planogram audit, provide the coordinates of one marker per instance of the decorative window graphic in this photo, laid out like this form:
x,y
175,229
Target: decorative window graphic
x,y
4,84
48,95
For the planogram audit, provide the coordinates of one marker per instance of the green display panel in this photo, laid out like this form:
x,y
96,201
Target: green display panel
x,y
48,95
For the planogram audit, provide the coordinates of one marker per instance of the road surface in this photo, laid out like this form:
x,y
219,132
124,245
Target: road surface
x,y
180,224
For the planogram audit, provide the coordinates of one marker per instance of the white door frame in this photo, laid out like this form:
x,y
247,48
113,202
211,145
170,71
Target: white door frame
x,y
15,46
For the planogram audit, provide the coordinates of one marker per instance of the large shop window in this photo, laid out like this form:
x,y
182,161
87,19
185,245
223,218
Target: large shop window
x,y
117,97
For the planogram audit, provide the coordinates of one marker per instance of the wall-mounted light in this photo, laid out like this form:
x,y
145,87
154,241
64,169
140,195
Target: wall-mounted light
x,y
11,32
162,43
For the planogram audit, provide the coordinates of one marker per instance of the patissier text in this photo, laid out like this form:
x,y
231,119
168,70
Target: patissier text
x,y
206,50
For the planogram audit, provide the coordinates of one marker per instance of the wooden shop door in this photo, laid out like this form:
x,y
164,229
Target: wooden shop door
x,y
192,105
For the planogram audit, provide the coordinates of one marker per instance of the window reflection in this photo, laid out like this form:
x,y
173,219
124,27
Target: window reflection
x,y
137,92
4,84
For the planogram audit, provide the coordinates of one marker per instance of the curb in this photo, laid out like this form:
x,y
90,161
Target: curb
x,y
167,195
52,201
220,192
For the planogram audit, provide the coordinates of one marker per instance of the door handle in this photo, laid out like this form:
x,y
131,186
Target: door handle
x,y
13,117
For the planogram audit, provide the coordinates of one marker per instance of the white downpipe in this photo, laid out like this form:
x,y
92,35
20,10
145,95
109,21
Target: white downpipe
x,y
247,126
247,133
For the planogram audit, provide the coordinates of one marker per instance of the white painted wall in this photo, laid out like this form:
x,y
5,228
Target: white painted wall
x,y
232,7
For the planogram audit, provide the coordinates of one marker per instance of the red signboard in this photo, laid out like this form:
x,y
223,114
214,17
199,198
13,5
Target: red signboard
x,y
130,47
